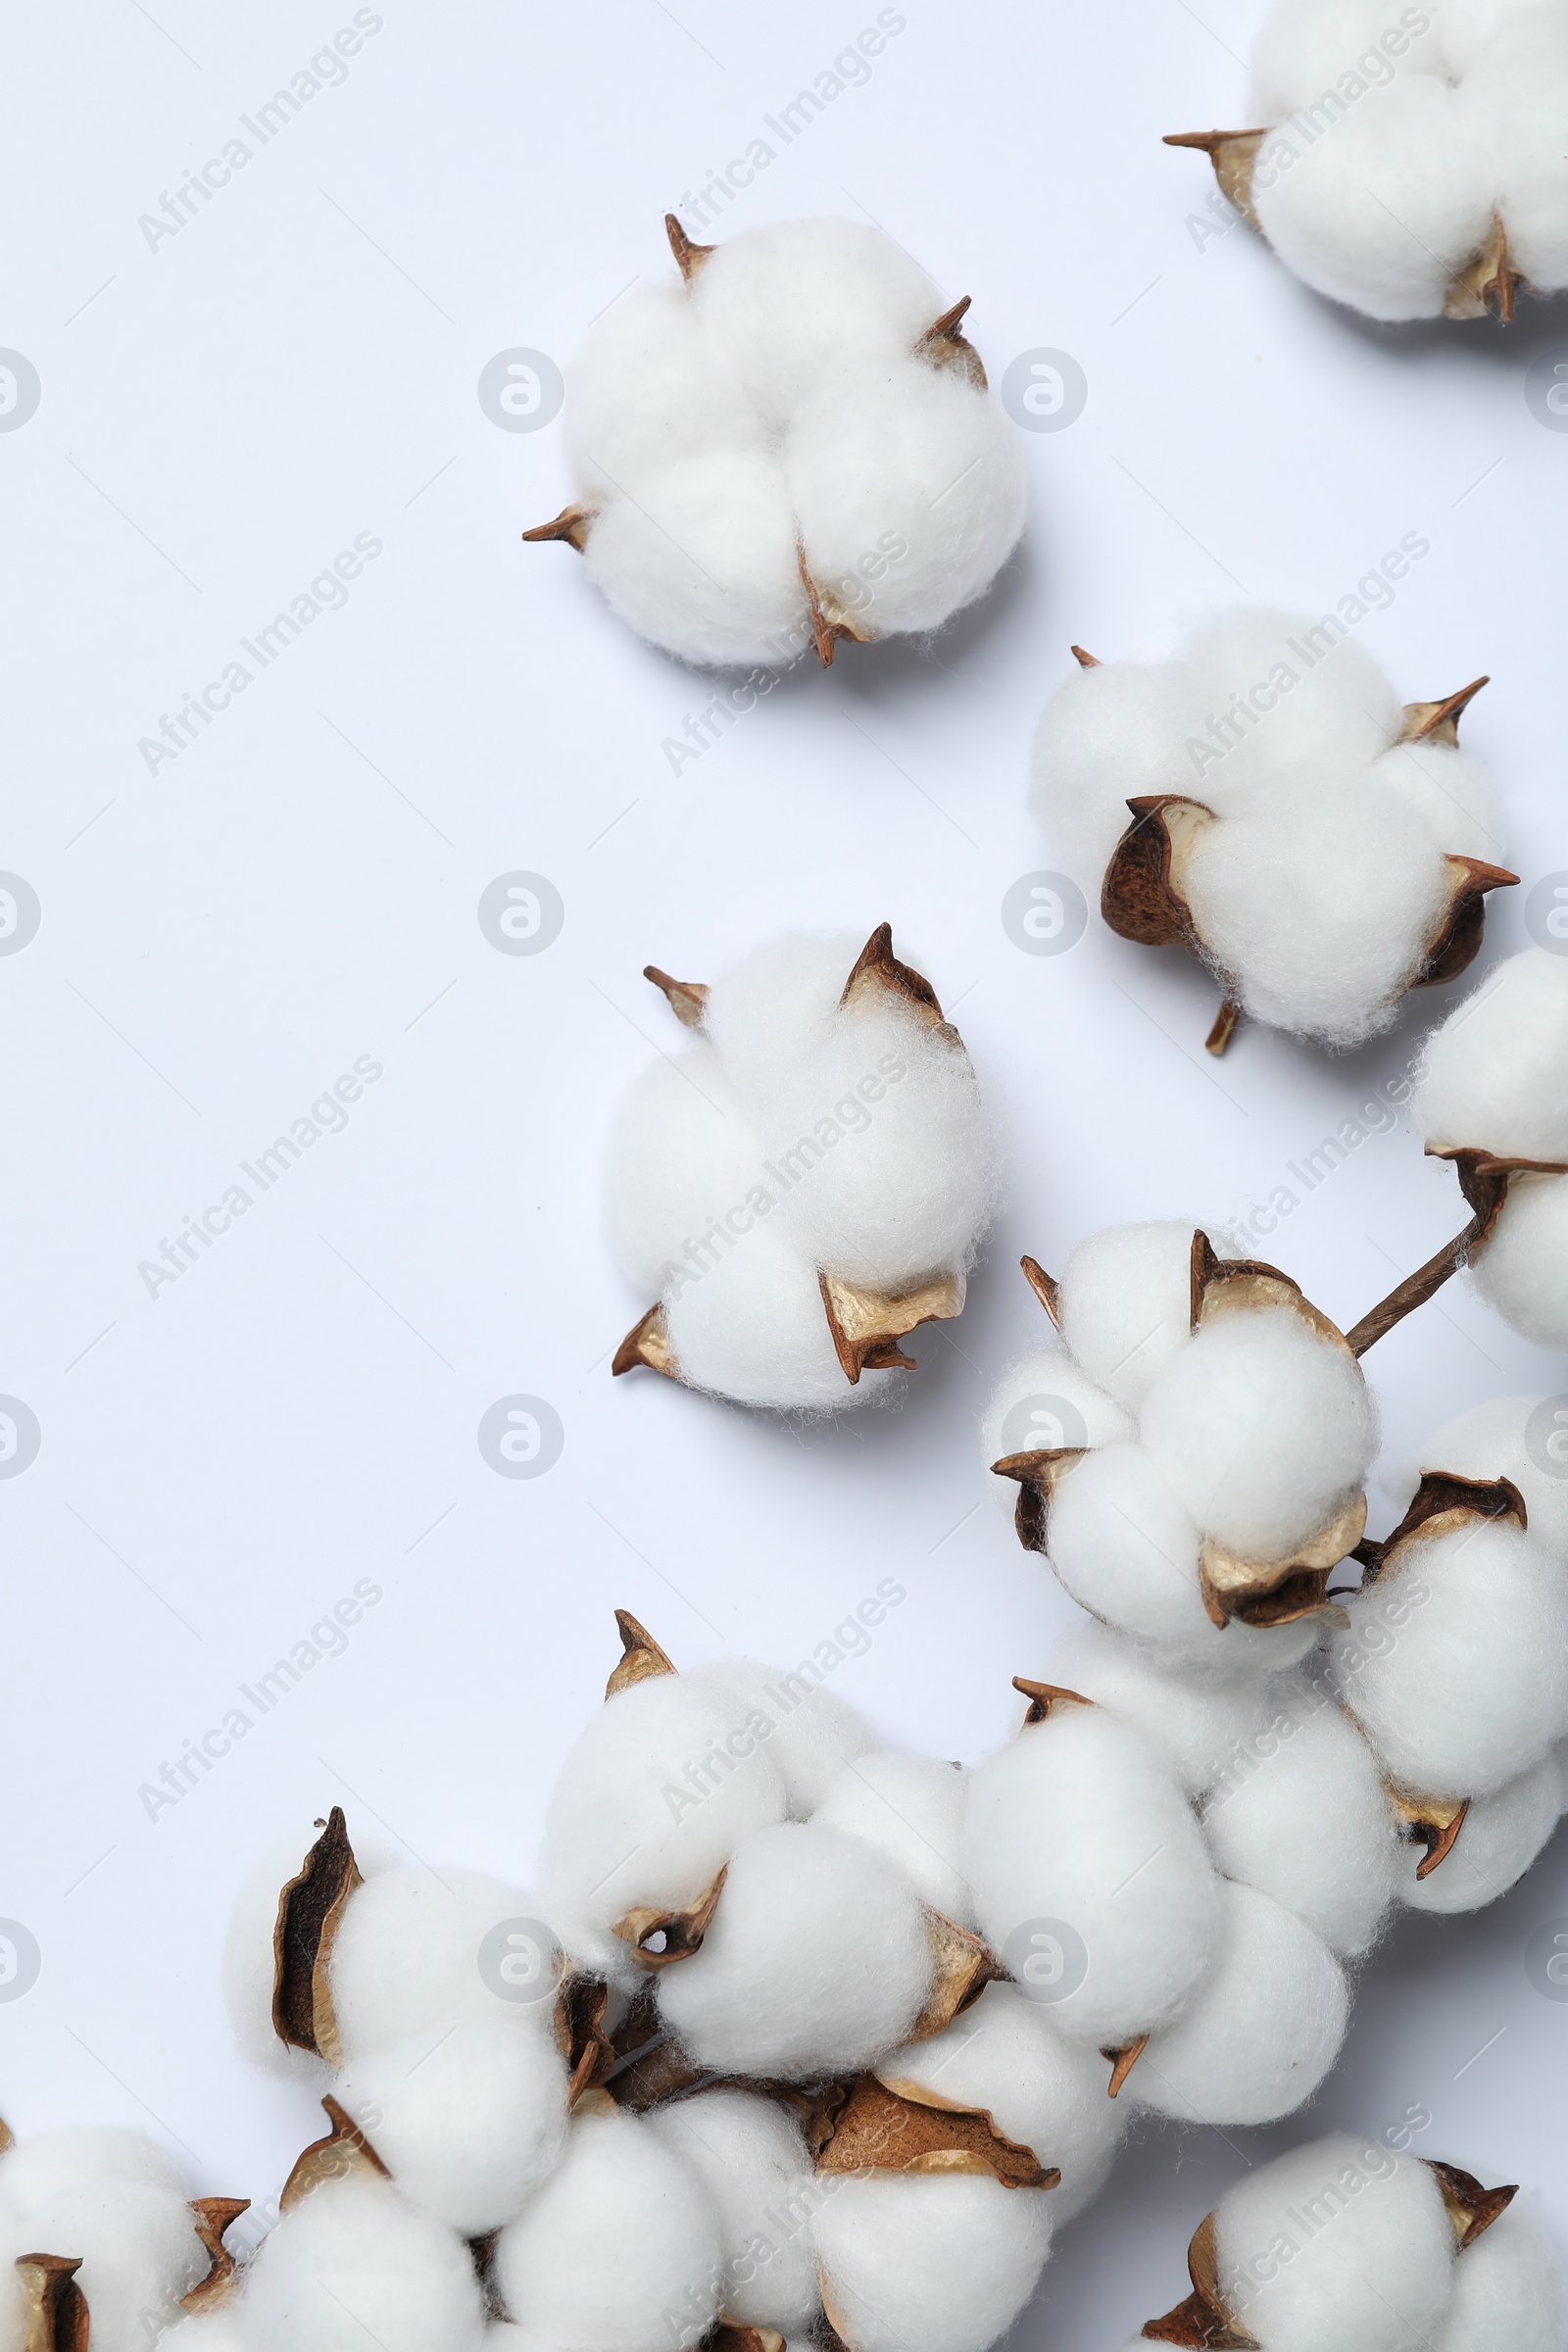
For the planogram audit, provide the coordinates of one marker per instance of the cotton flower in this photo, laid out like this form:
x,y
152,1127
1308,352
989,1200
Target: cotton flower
x,y
107,2208
354,2260
794,446
806,1184
1410,166
1321,846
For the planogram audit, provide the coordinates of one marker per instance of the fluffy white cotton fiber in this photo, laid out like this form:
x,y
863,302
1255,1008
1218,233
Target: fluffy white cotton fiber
x,y
1260,2031
1046,1401
1125,1305
614,1841
113,2198
1080,1825
1524,1439
250,1961
817,1962
799,1138
751,2157
810,1733
1320,886
934,2263
1456,1662
1202,1722
621,2247
1523,1268
1004,2055
1501,1836
911,1810
1494,1076
778,418
468,2120
1509,2292
355,2263
1371,2250
1126,1547
406,1958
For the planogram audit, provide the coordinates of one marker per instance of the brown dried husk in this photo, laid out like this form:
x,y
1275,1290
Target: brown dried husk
x,y
345,2153
889,2123
682,1930
213,2215
309,1911
641,1657
54,2309
962,1966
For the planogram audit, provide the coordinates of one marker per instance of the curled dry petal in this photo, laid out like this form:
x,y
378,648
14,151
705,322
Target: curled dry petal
x,y
867,1325
944,347
641,1655
689,257
646,1343
54,2309
1038,1472
214,2216
1433,1822
678,1933
963,1966
877,977
1438,722
688,998
309,1910
895,2125
572,524
343,2152
1471,2208
1142,896
1232,154
1046,1700
1203,2320
1123,2060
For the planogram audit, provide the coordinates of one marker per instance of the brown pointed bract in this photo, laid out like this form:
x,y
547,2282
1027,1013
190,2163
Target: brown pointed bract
x,y
1487,288
1438,722
1046,1700
1471,2208
1454,944
1044,1288
572,524
579,2032
944,347
1141,897
689,257
687,998
1083,660
733,2335
1442,1503
640,1655
866,1326
54,2309
309,1910
682,1932
1204,2321
1038,1473
344,2151
962,1967
899,2126
212,2217
1232,154
1224,1029
1122,2061
648,1344
831,621
1432,1822
877,976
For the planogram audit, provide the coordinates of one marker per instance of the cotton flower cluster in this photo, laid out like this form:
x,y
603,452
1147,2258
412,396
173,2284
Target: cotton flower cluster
x,y
98,2219
1351,2243
1320,845
805,1183
794,446
1414,163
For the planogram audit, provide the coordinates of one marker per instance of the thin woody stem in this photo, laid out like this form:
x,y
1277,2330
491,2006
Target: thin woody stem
x,y
1415,1289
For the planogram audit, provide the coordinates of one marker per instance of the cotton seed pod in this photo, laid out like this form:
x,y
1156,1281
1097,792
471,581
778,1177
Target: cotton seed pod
x,y
1520,1439
911,1810
749,2155
817,1960
1455,1659
1339,2243
1410,168
812,1733
933,2264
1261,2029
806,1184
1005,2056
408,1961
620,2248
792,447
106,2215
1499,1837
1302,1813
1510,2293
1321,848
1090,1878
354,2262
1199,1722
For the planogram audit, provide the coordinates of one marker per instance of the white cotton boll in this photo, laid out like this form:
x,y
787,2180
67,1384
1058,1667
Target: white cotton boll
x,y
620,2248
1261,2029
1125,1302
911,1810
1387,205
1331,715
776,1006
1199,1721
469,2123
753,1328
1510,2293
1321,900
1303,1817
1041,2090
1304,46
810,1733
909,489
249,1963
648,387
1467,29
799,304
1496,1074
1501,1837
1452,792
817,1962
1079,1824
405,1956
137,2243
1522,1269
1456,1662
221,2331
1517,85
682,1154
1490,1441
614,1837
1264,1428
934,2263
1108,735
749,2155
355,2263
702,561
1044,1402
1372,2249
35,2172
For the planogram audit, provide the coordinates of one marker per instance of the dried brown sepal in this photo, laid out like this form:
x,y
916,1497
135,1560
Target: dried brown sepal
x,y
831,2331
7,2138
1471,2208
1232,154
1083,660
1226,1285
689,255
912,2130
308,1912
1047,1699
1432,1822
732,2336
831,621
1045,1286
1225,1025
658,2074
682,1931
54,2309
1438,722
572,524
1122,2061
1141,897
1485,1180
640,1655
1458,937
1442,1503
1281,1592
962,1966
648,1344
212,2217
579,2032
866,1326
944,347
1487,286
1204,2321
1038,1473
687,998
877,976
343,2152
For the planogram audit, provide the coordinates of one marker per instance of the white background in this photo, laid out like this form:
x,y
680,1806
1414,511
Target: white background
x,y
220,1463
